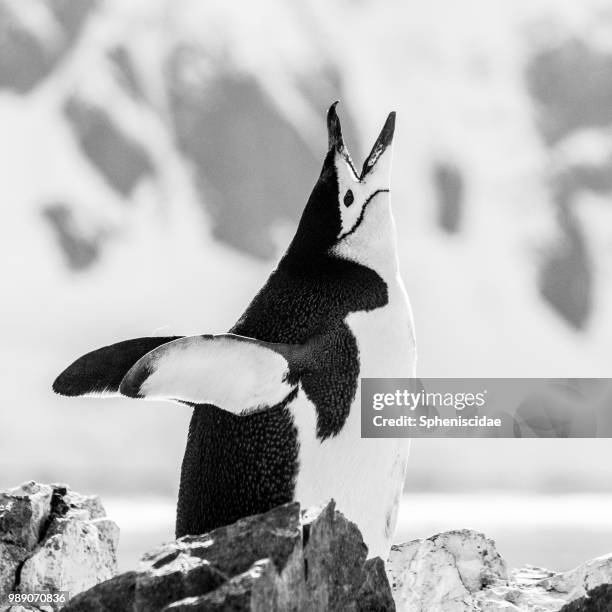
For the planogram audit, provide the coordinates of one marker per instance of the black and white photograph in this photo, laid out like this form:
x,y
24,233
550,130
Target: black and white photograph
x,y
306,306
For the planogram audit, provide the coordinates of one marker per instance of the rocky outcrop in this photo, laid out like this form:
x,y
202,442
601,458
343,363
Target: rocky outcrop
x,y
52,538
284,559
461,571
287,559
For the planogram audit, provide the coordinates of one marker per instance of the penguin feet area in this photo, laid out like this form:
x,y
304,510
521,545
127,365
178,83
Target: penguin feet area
x,y
53,539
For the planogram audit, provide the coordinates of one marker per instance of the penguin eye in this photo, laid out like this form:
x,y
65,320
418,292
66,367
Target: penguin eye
x,y
348,198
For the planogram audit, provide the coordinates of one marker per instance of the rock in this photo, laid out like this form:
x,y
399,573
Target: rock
x,y
232,550
53,538
24,513
24,510
280,560
375,594
462,571
11,558
114,595
84,506
256,589
75,555
329,537
521,592
286,559
581,579
598,599
445,571
183,576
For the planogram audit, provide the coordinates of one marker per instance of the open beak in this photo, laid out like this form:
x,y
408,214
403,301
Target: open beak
x,y
385,138
334,137
336,141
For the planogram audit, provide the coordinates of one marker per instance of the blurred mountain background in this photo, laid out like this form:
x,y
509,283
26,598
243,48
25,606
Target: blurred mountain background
x,y
155,157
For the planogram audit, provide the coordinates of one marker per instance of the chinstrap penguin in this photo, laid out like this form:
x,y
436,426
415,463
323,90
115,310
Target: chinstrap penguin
x,y
276,401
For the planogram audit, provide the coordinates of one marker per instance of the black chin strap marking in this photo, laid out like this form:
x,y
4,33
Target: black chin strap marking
x,y
361,214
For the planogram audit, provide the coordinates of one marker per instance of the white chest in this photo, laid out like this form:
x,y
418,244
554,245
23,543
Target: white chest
x,y
364,476
385,337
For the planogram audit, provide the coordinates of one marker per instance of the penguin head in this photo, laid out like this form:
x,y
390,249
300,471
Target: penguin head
x,y
348,214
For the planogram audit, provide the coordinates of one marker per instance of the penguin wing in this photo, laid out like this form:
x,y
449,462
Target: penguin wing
x,y
100,372
235,373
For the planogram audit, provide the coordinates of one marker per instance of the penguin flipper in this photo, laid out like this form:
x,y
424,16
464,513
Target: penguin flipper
x,y
235,373
101,371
